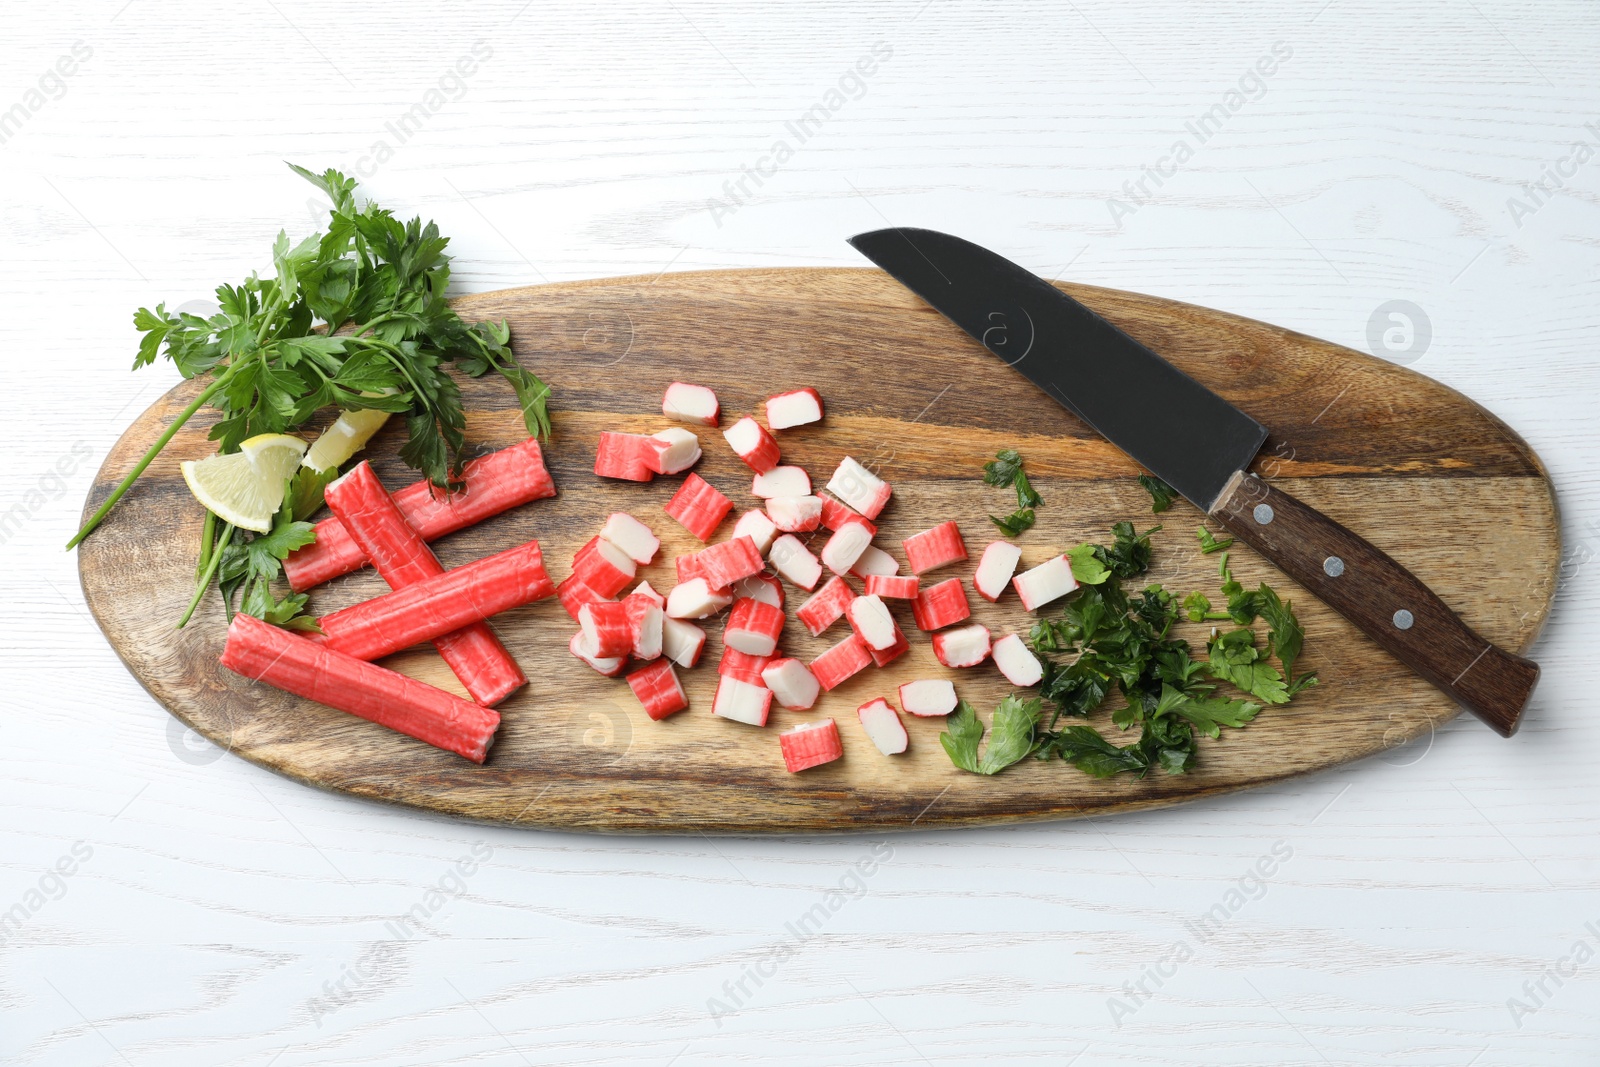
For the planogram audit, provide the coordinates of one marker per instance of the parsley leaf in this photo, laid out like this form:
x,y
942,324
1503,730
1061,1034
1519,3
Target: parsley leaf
x,y
1087,567
1016,523
1010,740
1161,494
1006,470
1003,469
1234,658
1084,748
1285,636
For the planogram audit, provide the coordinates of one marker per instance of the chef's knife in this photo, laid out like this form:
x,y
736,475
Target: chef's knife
x,y
1202,446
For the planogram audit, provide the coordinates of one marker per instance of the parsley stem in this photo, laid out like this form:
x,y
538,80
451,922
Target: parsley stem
x,y
211,570
208,533
161,442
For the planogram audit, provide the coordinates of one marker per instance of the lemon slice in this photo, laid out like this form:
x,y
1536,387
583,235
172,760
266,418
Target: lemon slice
x,y
246,487
349,433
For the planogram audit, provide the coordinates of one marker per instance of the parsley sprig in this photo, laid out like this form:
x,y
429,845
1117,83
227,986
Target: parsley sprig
x,y
1005,470
355,317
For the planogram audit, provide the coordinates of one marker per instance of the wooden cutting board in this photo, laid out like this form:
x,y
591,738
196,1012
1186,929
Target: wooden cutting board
x,y
1415,467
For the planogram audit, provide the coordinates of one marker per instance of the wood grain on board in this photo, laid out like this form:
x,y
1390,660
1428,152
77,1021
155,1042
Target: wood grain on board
x,y
1419,470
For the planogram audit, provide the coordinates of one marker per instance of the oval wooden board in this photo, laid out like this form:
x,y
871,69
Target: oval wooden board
x,y
1414,466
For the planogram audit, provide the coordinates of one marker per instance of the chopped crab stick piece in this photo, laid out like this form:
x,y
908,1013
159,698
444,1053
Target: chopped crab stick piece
x,y
787,410
682,642
846,546
691,403
793,686
1049,581
935,548
473,653
763,587
699,507
883,726
624,456
726,562
435,606
695,599
995,568
609,667
874,560
835,515
870,619
645,618
646,589
755,525
893,586
753,627
841,662
742,665
742,701
941,605
494,483
752,443
860,488
607,632
632,536
826,606
688,566
658,689
782,481
795,514
882,657
575,593
794,561
928,697
671,451
287,661
964,646
604,567
811,744
1016,661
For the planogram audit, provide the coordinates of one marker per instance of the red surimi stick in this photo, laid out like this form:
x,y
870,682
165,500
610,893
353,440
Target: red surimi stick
x,y
438,605
494,483
657,687
826,606
892,586
258,650
753,444
726,562
476,656
625,456
941,605
932,549
835,666
810,744
699,507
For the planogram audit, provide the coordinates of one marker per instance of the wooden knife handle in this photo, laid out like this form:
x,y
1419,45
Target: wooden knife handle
x,y
1388,602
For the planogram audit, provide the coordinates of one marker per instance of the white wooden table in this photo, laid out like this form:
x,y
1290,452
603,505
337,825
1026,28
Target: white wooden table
x,y
216,914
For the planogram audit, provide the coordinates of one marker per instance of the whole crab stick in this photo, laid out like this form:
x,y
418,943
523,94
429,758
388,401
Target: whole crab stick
x,y
286,661
370,516
436,606
494,483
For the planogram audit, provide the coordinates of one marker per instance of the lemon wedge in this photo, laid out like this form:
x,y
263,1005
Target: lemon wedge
x,y
349,434
245,488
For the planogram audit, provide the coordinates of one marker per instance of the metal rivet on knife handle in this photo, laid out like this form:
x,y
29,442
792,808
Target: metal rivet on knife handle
x,y
1333,566
1403,619
1263,513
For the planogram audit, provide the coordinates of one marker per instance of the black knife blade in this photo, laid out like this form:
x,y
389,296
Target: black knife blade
x,y
1187,435
1202,446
